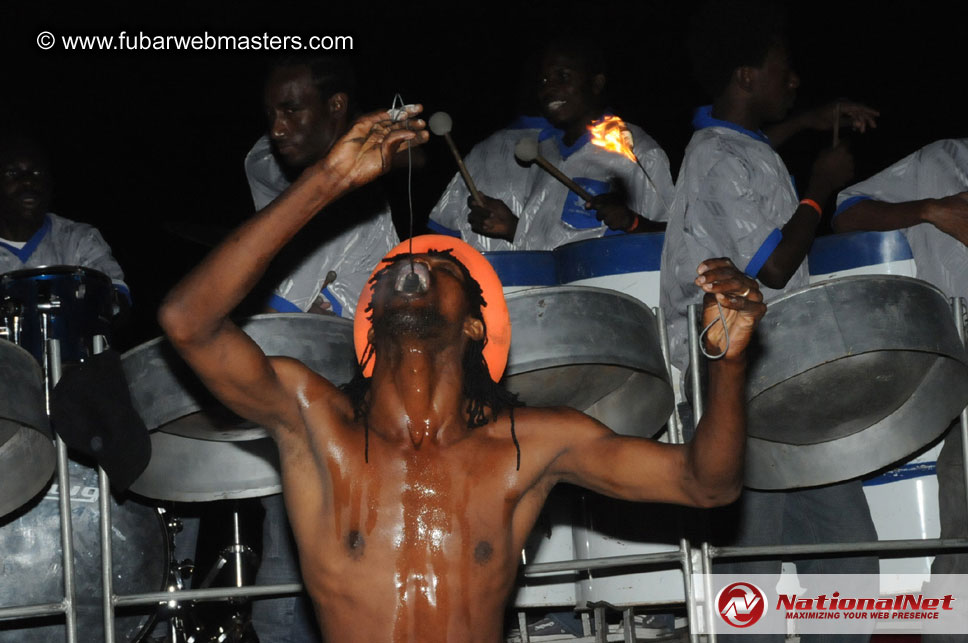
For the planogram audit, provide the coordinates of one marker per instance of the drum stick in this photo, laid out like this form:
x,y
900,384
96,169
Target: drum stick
x,y
440,124
526,151
836,124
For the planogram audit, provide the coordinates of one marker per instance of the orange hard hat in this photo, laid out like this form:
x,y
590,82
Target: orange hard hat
x,y
495,310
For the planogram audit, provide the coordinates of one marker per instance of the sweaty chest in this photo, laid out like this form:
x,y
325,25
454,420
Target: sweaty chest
x,y
420,511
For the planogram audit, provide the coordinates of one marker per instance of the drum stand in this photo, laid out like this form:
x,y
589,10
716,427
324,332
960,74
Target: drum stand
x,y
183,628
236,550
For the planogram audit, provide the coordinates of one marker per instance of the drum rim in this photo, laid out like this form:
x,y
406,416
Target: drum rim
x,y
56,269
245,321
854,278
612,239
520,294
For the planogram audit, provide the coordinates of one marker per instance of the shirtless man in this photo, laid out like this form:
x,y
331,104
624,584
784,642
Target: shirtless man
x,y
409,522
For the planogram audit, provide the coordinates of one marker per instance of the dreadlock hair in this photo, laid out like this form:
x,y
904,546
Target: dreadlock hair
x,y
480,391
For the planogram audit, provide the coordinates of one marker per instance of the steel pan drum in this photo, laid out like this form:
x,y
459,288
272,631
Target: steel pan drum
x,y
592,349
849,375
627,264
201,451
30,547
27,455
81,302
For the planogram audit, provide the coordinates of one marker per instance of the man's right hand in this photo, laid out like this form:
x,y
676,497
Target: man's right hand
x,y
741,301
950,215
367,149
494,219
833,169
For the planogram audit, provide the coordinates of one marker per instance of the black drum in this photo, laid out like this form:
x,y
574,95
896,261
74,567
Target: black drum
x,y
30,548
78,304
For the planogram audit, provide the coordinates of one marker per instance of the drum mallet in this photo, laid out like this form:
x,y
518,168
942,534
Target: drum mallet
x,y
441,124
526,151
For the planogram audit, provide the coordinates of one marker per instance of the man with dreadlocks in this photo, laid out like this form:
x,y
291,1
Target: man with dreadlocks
x,y
412,492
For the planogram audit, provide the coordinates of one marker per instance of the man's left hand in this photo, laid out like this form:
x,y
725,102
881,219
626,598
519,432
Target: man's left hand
x,y
741,301
366,150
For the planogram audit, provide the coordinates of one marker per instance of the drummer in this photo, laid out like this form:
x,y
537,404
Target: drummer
x,y
735,198
31,235
310,102
570,95
925,195
409,520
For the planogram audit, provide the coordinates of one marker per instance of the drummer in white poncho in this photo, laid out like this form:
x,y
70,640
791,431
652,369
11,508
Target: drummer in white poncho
x,y
30,235
536,212
735,198
925,195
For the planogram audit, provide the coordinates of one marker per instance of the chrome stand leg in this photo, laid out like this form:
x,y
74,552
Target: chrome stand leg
x,y
523,627
601,626
628,625
52,373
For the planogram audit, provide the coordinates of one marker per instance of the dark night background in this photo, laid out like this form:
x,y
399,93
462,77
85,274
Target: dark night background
x,y
141,140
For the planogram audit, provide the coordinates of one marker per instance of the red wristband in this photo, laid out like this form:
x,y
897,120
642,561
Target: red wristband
x,y
813,204
635,224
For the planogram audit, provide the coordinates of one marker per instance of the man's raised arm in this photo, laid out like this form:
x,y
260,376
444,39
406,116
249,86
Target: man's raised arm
x,y
195,314
708,471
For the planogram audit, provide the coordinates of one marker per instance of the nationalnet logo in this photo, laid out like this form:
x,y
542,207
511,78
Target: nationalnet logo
x,y
832,604
741,604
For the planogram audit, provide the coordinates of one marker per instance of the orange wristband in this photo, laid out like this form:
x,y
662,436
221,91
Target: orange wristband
x,y
813,204
635,224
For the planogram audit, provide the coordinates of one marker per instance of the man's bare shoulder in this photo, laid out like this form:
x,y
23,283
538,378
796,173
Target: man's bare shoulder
x,y
309,389
539,422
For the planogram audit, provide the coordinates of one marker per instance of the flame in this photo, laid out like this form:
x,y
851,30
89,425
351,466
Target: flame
x,y
612,134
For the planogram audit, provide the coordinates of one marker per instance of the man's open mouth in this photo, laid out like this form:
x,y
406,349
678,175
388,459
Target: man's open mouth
x,y
412,277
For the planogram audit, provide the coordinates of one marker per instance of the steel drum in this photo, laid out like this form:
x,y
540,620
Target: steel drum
x,y
27,455
849,375
903,501
592,349
595,350
30,548
627,263
79,304
201,451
